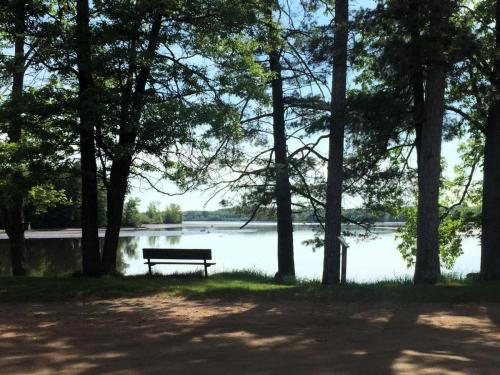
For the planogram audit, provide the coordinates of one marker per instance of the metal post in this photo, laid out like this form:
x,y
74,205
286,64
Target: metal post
x,y
344,265
343,273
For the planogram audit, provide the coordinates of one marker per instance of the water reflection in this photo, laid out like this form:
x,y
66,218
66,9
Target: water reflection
x,y
46,257
127,252
173,240
62,257
152,241
233,249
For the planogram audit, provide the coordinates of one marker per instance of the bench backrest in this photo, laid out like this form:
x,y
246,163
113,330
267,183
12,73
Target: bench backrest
x,y
177,254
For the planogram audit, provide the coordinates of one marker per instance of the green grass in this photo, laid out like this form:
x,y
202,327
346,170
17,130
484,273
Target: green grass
x,y
245,285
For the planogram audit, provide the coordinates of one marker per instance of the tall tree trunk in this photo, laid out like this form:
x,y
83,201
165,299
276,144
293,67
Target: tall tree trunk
x,y
417,73
12,209
12,215
116,197
132,105
87,113
286,265
427,269
331,265
490,239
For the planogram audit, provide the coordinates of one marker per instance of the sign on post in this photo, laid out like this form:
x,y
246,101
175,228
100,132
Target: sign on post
x,y
344,246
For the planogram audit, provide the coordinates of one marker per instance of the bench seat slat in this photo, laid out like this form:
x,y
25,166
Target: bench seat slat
x,y
200,264
195,254
152,254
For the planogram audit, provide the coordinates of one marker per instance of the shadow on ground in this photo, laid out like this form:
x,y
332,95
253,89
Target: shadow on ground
x,y
154,335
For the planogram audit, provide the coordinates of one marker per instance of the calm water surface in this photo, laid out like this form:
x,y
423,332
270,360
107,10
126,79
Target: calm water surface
x,y
232,249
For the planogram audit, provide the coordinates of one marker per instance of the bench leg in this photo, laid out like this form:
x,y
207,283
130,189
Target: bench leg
x,y
206,272
149,267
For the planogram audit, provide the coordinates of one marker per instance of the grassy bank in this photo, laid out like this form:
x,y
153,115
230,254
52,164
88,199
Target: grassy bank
x,y
241,286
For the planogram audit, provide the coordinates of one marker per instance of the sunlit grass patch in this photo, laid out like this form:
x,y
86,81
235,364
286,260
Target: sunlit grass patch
x,y
246,284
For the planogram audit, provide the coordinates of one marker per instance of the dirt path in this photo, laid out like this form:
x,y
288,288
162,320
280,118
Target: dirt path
x,y
177,336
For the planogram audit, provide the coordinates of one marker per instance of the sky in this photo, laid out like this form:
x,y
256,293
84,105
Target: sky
x,y
200,200
197,200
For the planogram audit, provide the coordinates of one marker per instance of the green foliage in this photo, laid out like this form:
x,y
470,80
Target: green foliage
x,y
201,68
305,215
36,159
131,215
460,201
154,214
450,240
407,234
452,229
34,132
173,214
47,196
64,213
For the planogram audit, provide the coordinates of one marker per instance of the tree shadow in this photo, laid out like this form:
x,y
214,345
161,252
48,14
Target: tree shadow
x,y
435,338
494,314
174,336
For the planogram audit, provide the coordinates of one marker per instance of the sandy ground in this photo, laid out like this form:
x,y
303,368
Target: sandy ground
x,y
154,335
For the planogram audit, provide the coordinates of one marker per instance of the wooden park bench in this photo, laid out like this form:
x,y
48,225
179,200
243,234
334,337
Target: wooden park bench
x,y
152,255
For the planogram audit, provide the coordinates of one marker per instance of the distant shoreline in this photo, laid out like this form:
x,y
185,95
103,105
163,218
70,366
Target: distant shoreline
x,y
174,229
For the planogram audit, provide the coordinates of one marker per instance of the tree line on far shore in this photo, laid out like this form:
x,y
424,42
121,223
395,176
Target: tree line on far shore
x,y
241,214
280,107
66,214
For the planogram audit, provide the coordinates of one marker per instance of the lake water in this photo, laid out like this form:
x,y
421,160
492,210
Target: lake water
x,y
233,249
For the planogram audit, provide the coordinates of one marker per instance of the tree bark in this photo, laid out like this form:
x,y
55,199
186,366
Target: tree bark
x,y
490,238
12,215
117,190
331,263
87,113
427,268
417,74
13,207
286,265
132,105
